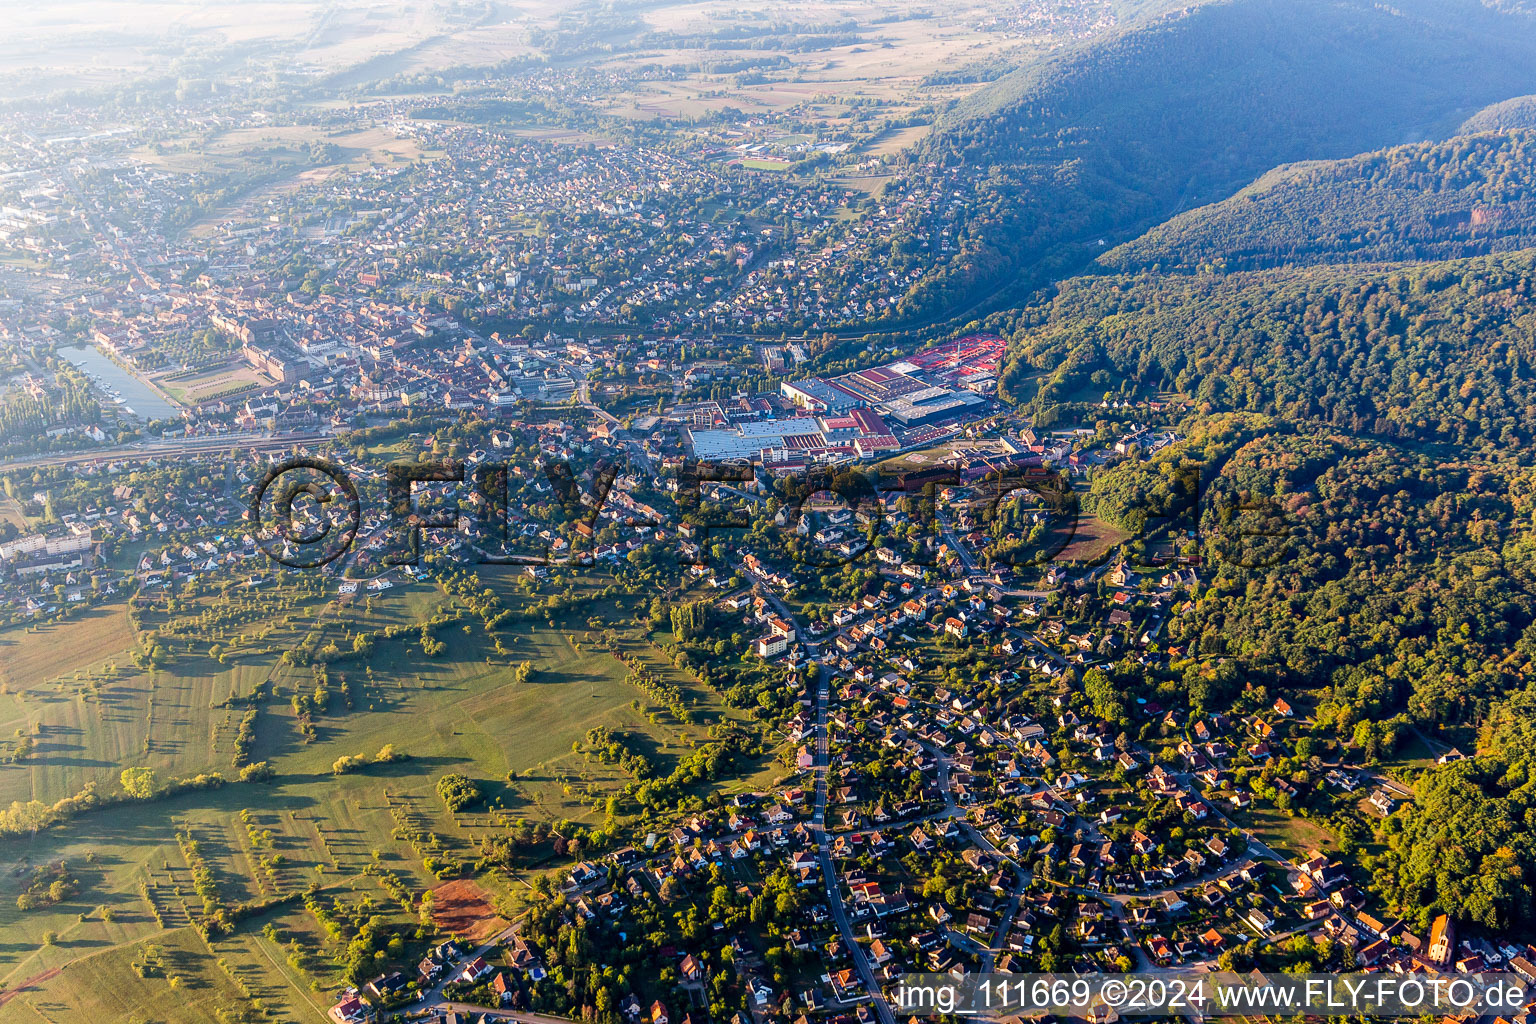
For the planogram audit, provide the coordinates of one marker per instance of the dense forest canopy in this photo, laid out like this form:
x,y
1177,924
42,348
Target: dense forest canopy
x,y
1516,113
1467,196
1399,597
1438,352
1402,587
1465,844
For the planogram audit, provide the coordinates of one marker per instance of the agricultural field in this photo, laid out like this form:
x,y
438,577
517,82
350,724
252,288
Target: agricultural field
x,y
189,987
895,140
251,165
281,147
884,63
85,43
29,657
215,692
568,264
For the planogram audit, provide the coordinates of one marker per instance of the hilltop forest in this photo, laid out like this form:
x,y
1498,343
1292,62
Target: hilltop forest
x,y
1110,138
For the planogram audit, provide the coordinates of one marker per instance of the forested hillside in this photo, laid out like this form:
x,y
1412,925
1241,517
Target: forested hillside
x,y
1465,842
1506,115
1386,584
1435,352
1191,107
1361,417
1469,195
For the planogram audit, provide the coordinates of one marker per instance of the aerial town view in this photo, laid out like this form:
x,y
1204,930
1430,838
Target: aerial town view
x,y
680,512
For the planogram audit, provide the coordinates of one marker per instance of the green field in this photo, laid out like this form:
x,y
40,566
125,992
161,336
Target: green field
x,y
31,656
754,164
1087,538
75,689
1290,836
208,385
1412,757
104,986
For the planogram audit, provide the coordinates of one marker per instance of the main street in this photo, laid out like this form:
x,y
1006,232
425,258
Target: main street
x,y
948,532
822,768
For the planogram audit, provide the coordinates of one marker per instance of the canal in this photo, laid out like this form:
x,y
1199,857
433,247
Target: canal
x,y
119,387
